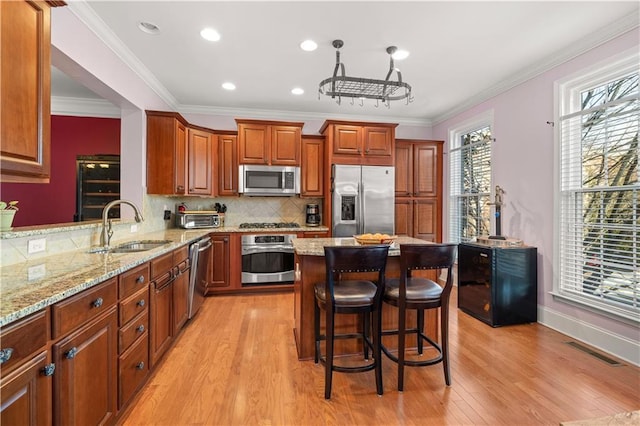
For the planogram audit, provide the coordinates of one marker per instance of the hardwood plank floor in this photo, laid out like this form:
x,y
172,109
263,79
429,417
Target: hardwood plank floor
x,y
236,363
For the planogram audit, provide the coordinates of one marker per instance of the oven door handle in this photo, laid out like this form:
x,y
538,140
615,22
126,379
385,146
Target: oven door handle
x,y
269,249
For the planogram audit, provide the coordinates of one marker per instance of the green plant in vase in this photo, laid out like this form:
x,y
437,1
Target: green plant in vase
x,y
7,212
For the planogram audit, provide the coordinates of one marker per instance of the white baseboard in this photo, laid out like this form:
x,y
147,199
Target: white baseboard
x,y
614,344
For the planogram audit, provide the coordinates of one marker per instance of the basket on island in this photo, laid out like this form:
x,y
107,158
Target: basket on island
x,y
371,239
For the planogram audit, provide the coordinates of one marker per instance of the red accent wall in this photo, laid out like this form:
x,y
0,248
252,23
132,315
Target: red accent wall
x,y
55,202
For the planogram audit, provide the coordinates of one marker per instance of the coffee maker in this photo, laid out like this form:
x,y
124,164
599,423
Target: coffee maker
x,y
313,215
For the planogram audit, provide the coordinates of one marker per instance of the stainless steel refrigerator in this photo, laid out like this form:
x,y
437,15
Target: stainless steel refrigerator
x,y
363,200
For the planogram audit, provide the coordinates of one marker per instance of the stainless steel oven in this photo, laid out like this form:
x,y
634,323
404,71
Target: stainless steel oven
x,y
267,258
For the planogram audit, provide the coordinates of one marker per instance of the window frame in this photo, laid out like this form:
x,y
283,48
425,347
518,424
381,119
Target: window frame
x,y
477,122
566,93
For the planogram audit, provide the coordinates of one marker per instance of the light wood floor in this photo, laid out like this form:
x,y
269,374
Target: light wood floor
x,y
236,363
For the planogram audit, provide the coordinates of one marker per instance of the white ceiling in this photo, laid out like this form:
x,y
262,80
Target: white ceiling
x,y
461,52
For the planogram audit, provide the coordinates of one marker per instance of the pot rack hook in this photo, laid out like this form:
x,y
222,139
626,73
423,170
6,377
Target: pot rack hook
x,y
377,103
352,101
361,102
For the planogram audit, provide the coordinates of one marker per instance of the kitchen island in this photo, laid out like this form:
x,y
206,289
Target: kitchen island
x,y
310,269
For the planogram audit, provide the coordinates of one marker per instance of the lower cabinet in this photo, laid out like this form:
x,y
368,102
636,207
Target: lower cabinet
x,y
86,376
133,369
418,218
161,321
220,264
181,289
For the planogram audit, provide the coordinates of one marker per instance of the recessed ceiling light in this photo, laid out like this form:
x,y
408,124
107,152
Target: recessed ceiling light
x,y
228,86
148,27
400,54
308,45
297,91
210,34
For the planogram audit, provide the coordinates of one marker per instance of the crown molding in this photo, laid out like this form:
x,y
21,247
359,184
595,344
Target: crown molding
x,y
83,107
88,16
589,42
295,115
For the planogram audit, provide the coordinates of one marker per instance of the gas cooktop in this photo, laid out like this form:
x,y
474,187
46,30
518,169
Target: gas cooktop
x,y
270,225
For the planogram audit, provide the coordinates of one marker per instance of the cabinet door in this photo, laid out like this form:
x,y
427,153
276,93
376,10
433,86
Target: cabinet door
x,y
25,93
404,170
133,369
180,159
347,139
219,263
427,224
404,217
227,165
85,380
180,300
160,321
200,147
285,145
253,143
377,141
166,154
26,394
312,167
427,170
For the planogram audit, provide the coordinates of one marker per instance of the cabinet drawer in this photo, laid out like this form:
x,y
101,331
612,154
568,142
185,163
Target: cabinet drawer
x,y
79,309
133,305
23,338
132,331
180,255
161,265
133,280
134,367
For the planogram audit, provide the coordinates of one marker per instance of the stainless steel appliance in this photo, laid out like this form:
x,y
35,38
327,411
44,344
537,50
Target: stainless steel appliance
x,y
267,258
363,200
197,219
313,215
199,255
268,180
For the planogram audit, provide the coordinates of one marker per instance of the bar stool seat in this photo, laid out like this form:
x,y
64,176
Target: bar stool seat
x,y
351,296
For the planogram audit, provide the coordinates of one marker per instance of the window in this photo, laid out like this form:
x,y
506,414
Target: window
x,y
470,188
598,236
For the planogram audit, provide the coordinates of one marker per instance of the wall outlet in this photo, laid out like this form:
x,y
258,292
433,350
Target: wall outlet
x,y
36,246
134,228
167,215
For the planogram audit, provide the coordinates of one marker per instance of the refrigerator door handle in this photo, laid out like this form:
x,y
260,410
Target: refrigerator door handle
x,y
361,206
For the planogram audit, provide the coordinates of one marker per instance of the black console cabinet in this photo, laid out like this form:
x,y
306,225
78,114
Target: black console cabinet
x,y
498,285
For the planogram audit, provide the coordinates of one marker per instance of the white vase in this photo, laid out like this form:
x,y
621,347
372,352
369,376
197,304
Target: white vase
x,y
6,219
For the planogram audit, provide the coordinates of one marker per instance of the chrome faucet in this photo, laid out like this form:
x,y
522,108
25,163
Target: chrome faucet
x,y
105,236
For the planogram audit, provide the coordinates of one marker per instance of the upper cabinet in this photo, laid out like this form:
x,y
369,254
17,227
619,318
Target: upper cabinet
x,y
269,142
25,90
179,156
227,164
312,167
360,143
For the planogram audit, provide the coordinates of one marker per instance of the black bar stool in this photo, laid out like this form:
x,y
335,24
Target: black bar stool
x,y
408,292
352,296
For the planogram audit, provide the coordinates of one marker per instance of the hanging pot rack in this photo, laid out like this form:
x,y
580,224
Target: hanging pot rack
x,y
341,86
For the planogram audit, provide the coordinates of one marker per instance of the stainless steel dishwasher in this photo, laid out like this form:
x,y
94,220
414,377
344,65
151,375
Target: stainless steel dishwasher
x,y
200,255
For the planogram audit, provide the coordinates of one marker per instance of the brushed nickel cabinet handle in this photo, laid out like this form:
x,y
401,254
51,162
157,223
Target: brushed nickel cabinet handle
x,y
48,369
98,302
140,279
71,353
140,365
140,303
140,328
5,355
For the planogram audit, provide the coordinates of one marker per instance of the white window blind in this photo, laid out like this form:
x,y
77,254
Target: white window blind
x,y
470,184
599,223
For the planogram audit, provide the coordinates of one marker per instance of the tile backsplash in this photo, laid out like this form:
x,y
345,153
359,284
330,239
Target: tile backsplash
x,y
59,239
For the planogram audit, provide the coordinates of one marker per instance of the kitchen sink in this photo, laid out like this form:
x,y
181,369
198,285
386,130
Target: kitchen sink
x,y
131,246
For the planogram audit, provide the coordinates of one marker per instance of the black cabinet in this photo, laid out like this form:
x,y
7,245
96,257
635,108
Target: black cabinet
x,y
498,285
98,183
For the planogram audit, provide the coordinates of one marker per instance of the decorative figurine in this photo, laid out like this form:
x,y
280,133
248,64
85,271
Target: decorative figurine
x,y
498,203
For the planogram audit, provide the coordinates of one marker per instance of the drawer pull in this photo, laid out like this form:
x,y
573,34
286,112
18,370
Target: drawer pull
x,y
49,369
140,365
140,303
5,355
140,328
98,302
140,279
71,353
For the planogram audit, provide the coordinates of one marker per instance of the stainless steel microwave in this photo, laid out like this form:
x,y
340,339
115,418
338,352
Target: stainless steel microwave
x,y
258,180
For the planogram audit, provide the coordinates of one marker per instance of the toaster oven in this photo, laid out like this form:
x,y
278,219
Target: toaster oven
x,y
198,219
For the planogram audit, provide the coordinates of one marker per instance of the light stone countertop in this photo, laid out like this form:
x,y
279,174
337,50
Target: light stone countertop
x,y
315,246
27,287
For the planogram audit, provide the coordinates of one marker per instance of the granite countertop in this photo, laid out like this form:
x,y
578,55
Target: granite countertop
x,y
315,246
30,286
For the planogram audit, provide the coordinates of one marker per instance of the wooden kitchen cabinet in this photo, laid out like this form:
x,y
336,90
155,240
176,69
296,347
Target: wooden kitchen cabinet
x,y
25,372
86,376
160,315
25,90
312,167
359,143
166,153
200,161
418,204
219,264
180,306
269,142
227,164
